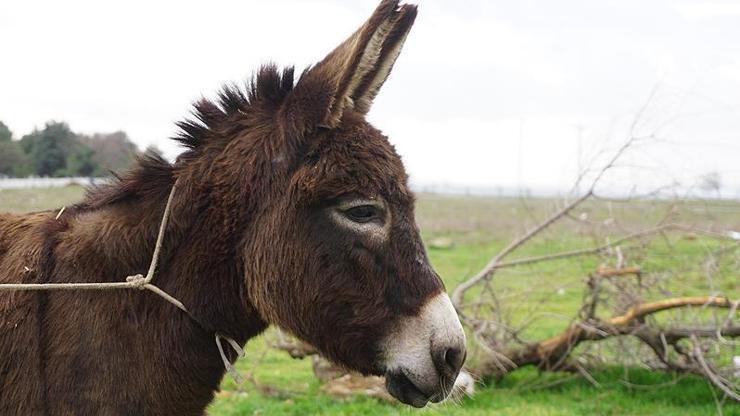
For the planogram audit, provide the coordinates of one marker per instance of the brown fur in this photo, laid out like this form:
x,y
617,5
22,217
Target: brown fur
x,y
249,243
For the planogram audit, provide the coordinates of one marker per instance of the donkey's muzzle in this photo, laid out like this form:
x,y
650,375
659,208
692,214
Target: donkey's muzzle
x,y
425,353
448,363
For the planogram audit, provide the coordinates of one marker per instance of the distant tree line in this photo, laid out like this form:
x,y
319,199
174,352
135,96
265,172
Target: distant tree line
x,y
56,150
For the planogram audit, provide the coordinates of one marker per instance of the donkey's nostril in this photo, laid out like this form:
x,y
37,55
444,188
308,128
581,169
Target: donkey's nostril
x,y
454,358
449,361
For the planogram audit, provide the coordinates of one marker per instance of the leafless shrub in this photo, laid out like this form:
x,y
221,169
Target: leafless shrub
x,y
666,283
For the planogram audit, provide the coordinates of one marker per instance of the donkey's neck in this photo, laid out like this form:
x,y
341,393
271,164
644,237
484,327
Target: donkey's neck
x,y
199,265
200,261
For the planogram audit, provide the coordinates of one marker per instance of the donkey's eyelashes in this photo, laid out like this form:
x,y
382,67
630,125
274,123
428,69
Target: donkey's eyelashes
x,y
361,210
364,213
368,217
349,201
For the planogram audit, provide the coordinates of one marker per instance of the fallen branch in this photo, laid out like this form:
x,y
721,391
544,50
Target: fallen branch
x,y
605,271
552,353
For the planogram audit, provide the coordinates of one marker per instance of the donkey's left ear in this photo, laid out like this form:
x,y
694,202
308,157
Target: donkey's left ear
x,y
351,75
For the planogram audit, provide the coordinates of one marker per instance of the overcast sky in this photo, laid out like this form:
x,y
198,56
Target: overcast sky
x,y
486,93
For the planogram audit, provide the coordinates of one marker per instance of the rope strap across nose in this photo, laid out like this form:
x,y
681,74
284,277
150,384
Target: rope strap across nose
x,y
140,282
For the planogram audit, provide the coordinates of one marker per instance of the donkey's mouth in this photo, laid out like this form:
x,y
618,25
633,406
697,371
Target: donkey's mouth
x,y
402,388
424,353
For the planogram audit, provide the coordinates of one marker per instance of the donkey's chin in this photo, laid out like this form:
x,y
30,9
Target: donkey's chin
x,y
403,389
424,354
400,386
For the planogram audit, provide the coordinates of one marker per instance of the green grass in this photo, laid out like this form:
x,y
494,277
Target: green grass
x,y
480,227
27,200
552,394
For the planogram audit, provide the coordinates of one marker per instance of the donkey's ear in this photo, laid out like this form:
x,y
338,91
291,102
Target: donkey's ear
x,y
351,75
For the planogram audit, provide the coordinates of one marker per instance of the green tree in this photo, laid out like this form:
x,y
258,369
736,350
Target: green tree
x,y
13,161
5,134
79,162
50,148
56,150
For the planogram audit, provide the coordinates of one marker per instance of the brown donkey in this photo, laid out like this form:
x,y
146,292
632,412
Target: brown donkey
x,y
290,210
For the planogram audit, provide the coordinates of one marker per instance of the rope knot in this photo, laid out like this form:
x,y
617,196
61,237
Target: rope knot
x,y
138,281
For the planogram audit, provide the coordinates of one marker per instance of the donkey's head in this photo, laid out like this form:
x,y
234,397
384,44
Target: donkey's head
x,y
333,254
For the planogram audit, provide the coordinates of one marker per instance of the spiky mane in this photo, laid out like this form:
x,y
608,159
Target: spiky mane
x,y
212,119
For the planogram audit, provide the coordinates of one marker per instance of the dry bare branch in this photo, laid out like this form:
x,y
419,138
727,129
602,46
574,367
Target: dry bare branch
x,y
459,293
552,353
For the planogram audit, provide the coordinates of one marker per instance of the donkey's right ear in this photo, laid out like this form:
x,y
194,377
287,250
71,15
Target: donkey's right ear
x,y
351,75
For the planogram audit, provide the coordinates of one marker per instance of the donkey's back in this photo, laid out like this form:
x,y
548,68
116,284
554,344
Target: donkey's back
x,y
21,242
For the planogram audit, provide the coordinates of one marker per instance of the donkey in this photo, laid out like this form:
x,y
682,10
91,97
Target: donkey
x,y
290,209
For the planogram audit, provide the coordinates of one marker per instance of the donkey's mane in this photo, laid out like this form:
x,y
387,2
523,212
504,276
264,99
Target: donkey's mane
x,y
145,181
212,122
267,89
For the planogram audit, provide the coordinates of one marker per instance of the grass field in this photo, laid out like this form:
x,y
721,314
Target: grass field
x,y
479,227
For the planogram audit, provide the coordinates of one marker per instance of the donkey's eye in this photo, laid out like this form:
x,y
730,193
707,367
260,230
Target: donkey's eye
x,y
363,213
